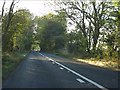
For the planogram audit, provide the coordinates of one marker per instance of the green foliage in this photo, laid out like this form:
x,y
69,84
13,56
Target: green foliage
x,y
76,43
35,47
19,35
97,26
51,32
112,38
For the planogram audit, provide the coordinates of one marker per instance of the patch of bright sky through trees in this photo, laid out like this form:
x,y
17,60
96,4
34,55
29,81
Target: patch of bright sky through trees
x,y
38,7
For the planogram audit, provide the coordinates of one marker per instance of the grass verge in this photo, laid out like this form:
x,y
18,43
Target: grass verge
x,y
110,63
10,61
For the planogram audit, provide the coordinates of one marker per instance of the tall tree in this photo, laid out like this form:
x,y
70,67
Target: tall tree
x,y
7,20
89,17
20,31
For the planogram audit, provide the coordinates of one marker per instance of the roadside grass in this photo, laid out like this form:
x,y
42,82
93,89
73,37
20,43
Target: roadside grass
x,y
10,61
110,63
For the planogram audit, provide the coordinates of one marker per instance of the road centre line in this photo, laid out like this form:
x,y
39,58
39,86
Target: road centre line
x,y
81,76
80,80
61,68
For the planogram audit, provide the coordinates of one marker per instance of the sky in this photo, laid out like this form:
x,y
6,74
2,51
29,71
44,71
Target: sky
x,y
37,7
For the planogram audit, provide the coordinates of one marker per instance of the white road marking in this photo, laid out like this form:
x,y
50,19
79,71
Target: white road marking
x,y
80,80
50,59
81,76
61,68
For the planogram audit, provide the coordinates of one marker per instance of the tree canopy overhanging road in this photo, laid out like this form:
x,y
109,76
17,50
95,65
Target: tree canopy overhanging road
x,y
34,47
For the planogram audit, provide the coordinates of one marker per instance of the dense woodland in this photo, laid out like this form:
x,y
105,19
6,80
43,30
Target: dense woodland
x,y
96,32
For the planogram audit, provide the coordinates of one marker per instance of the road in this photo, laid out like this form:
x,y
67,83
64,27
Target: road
x,y
42,70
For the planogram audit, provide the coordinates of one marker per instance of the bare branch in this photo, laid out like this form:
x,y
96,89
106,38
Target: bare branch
x,y
3,8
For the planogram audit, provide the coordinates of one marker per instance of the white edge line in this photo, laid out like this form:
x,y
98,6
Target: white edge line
x,y
96,84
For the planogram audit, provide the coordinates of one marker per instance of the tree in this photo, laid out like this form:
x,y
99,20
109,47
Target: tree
x,y
23,30
20,31
113,38
92,21
51,32
7,20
